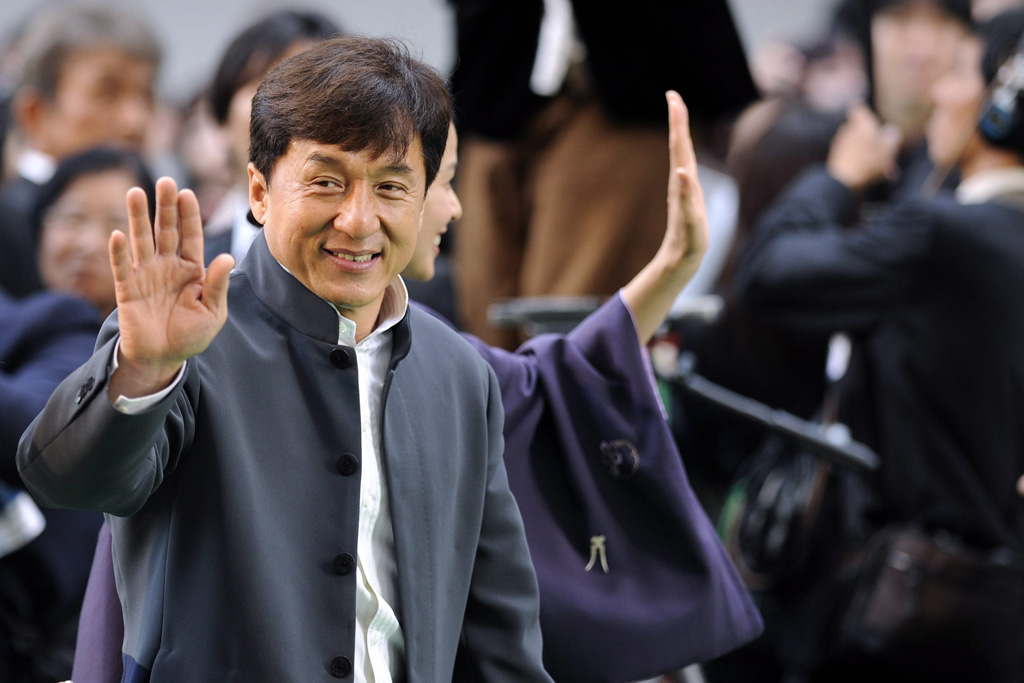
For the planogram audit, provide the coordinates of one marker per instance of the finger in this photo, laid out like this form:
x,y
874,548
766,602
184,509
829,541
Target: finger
x,y
140,232
215,287
680,141
191,227
120,257
694,210
167,216
1020,486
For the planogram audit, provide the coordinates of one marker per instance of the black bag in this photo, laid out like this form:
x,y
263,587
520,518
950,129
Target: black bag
x,y
924,606
776,515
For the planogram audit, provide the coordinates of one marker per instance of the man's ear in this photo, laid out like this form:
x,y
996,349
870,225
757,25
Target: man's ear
x,y
258,194
28,108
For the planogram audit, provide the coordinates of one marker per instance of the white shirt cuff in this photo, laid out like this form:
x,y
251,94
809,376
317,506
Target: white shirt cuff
x,y
134,406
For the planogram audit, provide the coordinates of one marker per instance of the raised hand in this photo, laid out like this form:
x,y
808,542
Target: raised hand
x,y
169,307
864,150
653,290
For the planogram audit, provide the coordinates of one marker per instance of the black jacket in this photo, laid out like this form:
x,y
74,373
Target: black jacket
x,y
930,289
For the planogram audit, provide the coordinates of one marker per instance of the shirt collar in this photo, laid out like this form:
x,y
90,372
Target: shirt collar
x,y
990,184
392,309
36,166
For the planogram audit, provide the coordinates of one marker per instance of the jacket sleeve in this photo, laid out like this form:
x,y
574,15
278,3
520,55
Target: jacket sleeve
x,y
805,271
52,336
501,639
81,453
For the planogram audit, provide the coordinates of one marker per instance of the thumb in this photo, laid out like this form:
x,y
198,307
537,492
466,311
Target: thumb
x,y
891,137
215,288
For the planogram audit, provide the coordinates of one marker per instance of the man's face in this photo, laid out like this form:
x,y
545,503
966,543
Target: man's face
x,y
958,96
104,96
343,223
440,208
913,45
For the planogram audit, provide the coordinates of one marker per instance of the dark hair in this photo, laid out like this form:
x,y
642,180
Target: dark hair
x,y
784,136
258,48
1001,36
57,34
355,92
960,9
89,162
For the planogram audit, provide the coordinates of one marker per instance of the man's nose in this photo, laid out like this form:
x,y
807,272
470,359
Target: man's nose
x,y
357,214
134,114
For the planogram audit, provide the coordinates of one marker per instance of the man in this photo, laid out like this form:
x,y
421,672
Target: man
x,y
597,625
928,292
87,79
244,545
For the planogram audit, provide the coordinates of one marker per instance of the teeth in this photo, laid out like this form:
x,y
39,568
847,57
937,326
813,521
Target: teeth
x,y
358,259
437,241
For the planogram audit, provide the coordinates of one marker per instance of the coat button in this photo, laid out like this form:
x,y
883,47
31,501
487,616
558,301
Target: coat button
x,y
84,390
348,464
341,359
341,667
344,563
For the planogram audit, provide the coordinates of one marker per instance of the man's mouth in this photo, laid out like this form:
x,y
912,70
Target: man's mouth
x,y
355,258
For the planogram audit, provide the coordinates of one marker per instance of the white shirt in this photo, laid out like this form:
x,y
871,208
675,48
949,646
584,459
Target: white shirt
x,y
36,166
989,184
380,643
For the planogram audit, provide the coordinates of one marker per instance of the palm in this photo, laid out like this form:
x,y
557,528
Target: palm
x,y
169,307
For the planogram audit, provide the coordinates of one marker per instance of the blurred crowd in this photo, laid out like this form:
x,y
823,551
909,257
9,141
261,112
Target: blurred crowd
x,y
865,195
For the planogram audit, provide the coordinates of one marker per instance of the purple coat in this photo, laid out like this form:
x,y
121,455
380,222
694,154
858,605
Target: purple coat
x,y
633,579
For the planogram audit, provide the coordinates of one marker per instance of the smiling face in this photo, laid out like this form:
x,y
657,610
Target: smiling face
x,y
343,223
440,208
959,95
74,234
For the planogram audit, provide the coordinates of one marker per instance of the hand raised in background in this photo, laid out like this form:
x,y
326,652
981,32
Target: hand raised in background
x,y
651,293
864,150
169,306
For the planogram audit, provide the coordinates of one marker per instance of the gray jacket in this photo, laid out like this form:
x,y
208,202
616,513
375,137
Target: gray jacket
x,y
234,508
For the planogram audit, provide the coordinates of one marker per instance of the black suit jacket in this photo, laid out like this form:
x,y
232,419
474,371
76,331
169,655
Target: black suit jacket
x,y
931,292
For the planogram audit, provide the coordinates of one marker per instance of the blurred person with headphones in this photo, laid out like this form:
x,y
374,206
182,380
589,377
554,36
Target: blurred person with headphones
x,y
928,290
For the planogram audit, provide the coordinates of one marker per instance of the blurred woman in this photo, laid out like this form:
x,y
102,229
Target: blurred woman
x,y
74,215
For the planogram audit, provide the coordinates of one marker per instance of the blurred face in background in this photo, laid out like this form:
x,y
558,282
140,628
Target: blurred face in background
x,y
440,208
74,233
913,45
103,96
959,95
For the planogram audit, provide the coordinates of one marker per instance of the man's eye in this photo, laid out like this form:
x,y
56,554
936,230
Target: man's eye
x,y
392,187
327,183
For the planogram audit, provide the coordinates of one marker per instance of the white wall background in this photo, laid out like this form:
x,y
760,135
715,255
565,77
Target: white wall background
x,y
195,32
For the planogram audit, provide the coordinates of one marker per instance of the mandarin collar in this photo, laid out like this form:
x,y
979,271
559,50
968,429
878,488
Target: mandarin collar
x,y
301,309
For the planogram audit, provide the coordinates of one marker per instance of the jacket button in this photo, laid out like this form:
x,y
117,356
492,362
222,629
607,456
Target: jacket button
x,y
344,563
340,358
348,464
341,667
84,389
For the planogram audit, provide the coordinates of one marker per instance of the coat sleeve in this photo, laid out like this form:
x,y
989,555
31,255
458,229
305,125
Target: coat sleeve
x,y
81,453
805,271
48,336
501,637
